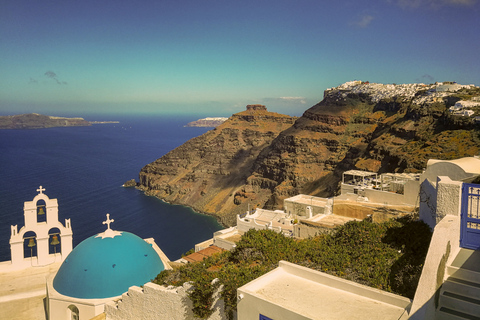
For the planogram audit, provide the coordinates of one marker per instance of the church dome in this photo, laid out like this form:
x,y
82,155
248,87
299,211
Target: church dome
x,y
106,265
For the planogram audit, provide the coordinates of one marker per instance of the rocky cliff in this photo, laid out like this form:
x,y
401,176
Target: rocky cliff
x,y
257,158
38,121
207,172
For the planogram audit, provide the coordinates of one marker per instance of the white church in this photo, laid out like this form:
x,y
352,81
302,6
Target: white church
x,y
47,238
97,271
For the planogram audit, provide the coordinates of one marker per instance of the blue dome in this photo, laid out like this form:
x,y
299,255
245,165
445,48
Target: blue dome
x,y
106,267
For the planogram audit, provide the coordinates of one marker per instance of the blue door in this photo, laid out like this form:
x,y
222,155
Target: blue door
x,y
470,217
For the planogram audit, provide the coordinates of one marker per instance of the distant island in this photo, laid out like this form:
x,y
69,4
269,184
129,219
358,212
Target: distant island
x,y
207,122
39,121
103,122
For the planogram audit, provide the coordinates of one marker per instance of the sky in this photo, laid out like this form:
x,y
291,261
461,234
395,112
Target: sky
x,y
213,57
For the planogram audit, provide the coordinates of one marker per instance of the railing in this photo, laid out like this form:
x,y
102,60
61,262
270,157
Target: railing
x,y
470,225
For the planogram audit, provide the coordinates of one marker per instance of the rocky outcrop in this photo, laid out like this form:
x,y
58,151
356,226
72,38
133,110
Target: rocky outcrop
x,y
130,183
38,121
209,172
257,158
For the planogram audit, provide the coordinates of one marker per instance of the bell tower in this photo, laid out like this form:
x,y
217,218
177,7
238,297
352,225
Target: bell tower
x,y
43,239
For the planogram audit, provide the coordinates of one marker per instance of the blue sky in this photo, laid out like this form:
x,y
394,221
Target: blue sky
x,y
213,57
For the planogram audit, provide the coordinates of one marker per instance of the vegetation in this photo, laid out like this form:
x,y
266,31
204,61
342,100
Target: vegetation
x,y
387,256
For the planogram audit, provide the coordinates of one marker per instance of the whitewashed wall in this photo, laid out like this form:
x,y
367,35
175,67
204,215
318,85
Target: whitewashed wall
x,y
154,302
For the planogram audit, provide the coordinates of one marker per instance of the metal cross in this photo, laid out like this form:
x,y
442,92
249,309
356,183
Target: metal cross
x,y
108,221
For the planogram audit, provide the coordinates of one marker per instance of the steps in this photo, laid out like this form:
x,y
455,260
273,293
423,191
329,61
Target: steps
x,y
460,294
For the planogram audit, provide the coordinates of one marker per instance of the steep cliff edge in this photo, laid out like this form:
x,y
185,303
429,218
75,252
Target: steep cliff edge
x,y
374,127
358,125
207,172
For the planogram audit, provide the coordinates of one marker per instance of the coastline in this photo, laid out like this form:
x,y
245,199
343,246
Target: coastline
x,y
215,216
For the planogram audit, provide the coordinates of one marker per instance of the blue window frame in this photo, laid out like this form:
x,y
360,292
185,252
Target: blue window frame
x,y
262,317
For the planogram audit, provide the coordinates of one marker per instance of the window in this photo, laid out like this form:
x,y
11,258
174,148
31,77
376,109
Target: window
x,y
262,317
73,313
41,211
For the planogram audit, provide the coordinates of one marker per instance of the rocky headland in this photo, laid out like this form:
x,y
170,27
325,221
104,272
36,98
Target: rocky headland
x,y
38,121
258,158
211,122
206,172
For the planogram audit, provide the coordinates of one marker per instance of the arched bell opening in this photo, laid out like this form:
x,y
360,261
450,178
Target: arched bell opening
x,y
54,241
41,211
29,244
73,313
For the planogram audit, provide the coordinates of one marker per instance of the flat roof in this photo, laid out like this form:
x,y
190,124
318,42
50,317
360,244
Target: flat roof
x,y
22,292
202,254
310,200
410,176
317,295
468,164
360,173
263,217
327,220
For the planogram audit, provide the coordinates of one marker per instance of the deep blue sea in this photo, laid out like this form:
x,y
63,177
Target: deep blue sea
x,y
85,167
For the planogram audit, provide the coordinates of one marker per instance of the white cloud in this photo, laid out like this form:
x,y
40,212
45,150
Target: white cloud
x,y
299,99
364,21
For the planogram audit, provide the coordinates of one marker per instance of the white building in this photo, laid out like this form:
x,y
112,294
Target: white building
x,y
260,219
43,239
386,188
292,292
463,170
99,270
464,113
304,206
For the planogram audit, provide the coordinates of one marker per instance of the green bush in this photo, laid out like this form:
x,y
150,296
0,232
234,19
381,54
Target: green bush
x,y
387,256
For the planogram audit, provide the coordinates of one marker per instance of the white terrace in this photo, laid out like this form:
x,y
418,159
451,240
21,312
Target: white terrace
x,y
266,219
389,188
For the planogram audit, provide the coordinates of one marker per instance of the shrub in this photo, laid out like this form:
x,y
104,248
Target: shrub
x,y
387,256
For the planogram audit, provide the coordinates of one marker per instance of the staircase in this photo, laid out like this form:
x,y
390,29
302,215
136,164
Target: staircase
x,y
460,293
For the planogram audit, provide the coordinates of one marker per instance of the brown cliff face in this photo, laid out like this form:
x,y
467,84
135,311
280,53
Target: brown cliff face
x,y
208,172
310,156
258,158
350,130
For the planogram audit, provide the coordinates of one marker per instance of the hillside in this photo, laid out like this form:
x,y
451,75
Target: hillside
x,y
257,158
207,171
38,121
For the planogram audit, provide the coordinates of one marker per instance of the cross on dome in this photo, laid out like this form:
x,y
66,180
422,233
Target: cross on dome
x,y
109,233
41,190
108,221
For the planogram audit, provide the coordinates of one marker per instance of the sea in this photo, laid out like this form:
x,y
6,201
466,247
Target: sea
x,y
84,168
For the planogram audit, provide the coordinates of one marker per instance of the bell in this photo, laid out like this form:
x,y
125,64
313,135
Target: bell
x,y
40,212
31,243
54,240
